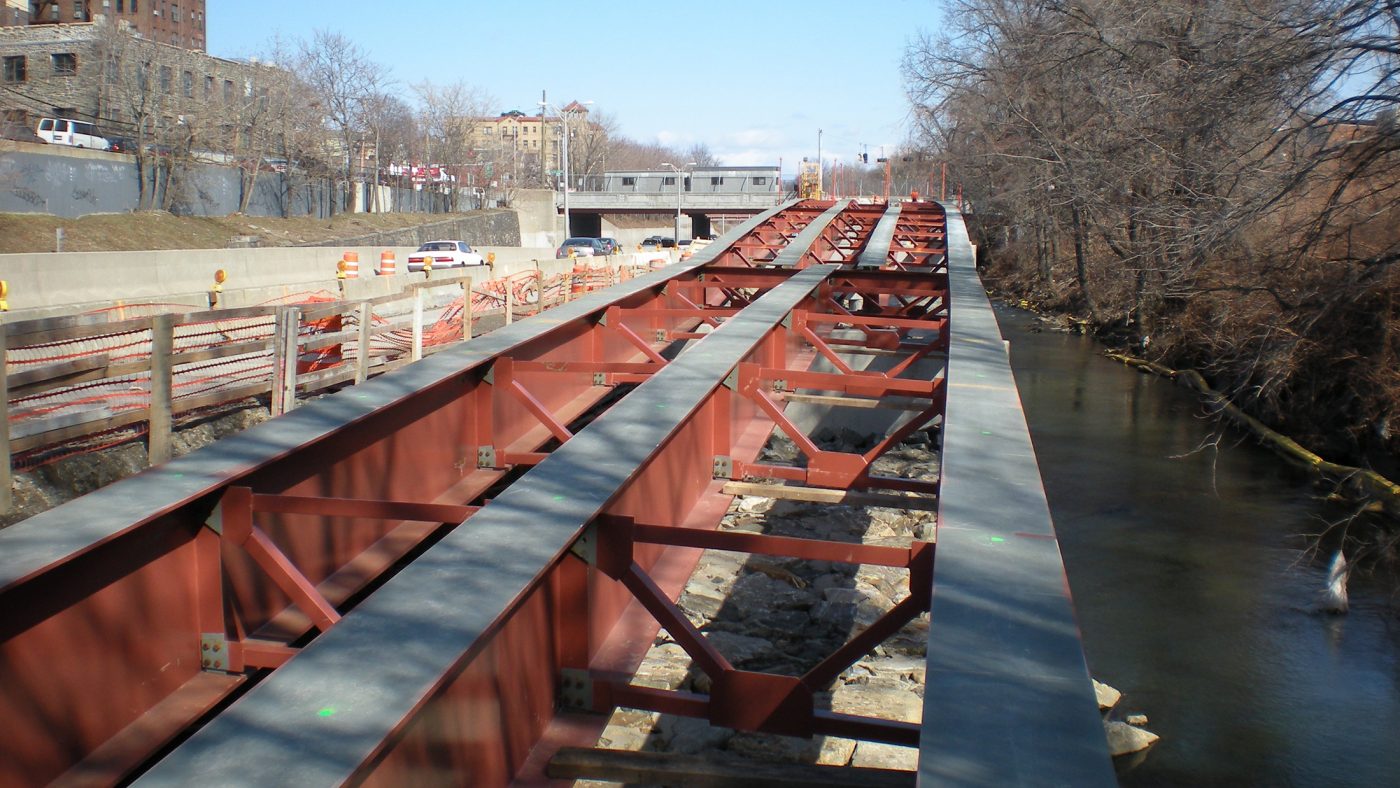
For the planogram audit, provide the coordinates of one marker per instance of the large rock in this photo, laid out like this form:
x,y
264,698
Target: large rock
x,y
1124,738
1108,697
874,755
689,736
737,648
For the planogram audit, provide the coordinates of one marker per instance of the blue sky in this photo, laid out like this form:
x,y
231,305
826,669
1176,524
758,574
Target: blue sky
x,y
753,80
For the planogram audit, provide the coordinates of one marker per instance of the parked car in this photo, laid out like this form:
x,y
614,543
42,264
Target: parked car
x,y
663,241
79,134
610,244
444,254
580,247
122,145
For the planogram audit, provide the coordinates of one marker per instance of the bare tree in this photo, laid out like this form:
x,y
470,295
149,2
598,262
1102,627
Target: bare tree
x,y
345,80
449,116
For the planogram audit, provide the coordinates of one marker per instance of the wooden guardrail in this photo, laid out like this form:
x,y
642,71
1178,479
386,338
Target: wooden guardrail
x,y
284,339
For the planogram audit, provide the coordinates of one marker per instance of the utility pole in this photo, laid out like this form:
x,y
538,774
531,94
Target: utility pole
x,y
820,165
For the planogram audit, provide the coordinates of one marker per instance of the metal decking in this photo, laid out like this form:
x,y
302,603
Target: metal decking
x,y
442,574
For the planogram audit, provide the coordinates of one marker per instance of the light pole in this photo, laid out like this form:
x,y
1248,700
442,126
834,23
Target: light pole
x,y
680,184
821,165
563,154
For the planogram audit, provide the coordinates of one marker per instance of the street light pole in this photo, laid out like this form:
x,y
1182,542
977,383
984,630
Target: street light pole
x,y
820,165
564,155
680,185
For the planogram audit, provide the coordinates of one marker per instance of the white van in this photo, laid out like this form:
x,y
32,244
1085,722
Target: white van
x,y
79,134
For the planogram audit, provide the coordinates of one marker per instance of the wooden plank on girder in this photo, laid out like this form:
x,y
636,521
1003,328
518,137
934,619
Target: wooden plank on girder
x,y
835,497
657,768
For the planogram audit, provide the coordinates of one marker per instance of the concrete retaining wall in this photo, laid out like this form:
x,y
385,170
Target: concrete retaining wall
x,y
43,285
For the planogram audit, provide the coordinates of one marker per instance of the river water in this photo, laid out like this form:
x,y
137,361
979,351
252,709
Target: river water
x,y
1185,555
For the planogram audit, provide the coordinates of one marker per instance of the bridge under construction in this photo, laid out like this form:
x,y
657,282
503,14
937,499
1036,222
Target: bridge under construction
x,y
450,573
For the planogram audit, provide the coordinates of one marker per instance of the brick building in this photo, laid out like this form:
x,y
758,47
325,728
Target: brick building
x,y
528,145
179,23
90,71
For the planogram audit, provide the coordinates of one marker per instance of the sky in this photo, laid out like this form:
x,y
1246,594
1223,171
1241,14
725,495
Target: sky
x,y
754,81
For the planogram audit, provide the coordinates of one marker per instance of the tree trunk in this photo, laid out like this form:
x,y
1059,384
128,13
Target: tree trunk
x,y
1081,263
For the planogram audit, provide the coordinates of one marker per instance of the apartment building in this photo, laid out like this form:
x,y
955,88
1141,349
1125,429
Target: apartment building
x,y
179,23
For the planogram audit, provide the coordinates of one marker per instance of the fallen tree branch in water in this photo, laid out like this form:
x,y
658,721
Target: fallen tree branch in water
x,y
1364,481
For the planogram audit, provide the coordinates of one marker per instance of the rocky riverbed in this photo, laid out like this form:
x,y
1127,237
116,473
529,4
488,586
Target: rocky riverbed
x,y
785,615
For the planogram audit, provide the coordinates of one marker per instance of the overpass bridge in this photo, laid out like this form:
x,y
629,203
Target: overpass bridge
x,y
701,193
450,572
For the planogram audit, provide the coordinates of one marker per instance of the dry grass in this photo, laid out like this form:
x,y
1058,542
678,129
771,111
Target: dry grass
x,y
155,230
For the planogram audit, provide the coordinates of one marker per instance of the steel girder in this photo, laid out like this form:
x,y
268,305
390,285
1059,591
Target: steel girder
x,y
428,575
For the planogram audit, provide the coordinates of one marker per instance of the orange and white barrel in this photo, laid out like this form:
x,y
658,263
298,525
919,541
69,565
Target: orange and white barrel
x,y
578,281
388,266
352,264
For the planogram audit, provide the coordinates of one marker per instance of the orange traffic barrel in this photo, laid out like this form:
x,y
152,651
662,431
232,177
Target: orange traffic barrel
x,y
388,266
578,281
352,264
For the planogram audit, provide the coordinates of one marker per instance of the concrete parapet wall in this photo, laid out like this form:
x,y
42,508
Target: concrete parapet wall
x,y
47,284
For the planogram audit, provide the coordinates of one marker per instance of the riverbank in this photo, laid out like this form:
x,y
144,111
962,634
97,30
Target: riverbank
x,y
1344,476
1186,546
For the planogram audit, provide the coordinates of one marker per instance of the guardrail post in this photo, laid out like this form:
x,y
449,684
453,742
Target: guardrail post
x,y
6,472
417,350
158,443
284,371
466,309
366,318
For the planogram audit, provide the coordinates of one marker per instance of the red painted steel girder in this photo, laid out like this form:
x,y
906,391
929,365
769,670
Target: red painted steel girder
x,y
252,549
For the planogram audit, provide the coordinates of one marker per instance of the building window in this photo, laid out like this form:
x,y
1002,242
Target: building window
x,y
717,181
134,9
760,180
228,91
629,181
121,6
77,10
208,87
65,64
174,13
165,75
669,180
53,11
187,82
14,69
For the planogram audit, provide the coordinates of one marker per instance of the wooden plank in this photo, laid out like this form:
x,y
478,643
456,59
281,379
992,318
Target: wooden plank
x,y
223,351
658,768
284,370
54,437
365,317
28,339
44,377
158,444
467,309
416,349
6,471
836,497
857,402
